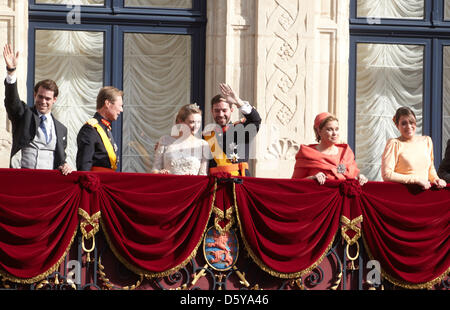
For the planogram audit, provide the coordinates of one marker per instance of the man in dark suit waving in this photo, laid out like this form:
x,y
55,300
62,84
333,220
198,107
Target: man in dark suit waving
x,y
38,137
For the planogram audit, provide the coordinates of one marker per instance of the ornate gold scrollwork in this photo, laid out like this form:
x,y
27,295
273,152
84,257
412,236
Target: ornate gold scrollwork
x,y
221,216
107,282
352,259
93,221
351,225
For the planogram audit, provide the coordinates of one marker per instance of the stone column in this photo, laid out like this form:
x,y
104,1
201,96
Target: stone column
x,y
13,30
302,70
289,58
230,49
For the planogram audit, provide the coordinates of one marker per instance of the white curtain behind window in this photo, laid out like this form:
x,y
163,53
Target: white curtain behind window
x,y
175,4
413,9
446,9
388,76
73,2
156,83
446,99
74,60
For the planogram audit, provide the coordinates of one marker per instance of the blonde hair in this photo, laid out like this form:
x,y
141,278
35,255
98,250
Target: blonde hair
x,y
187,110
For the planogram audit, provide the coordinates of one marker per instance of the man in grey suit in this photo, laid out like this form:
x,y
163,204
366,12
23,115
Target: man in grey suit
x,y
37,135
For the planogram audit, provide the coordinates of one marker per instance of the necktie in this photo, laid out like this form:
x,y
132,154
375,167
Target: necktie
x,y
42,126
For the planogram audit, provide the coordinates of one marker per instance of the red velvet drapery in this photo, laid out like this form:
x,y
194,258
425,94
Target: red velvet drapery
x,y
155,223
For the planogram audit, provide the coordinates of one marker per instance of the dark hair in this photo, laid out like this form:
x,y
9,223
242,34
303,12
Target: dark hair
x,y
49,85
402,111
322,124
107,93
219,98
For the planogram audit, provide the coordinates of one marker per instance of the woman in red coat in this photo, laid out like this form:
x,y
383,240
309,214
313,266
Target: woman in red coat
x,y
328,159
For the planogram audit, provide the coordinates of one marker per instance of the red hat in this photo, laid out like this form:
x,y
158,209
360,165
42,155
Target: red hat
x,y
320,118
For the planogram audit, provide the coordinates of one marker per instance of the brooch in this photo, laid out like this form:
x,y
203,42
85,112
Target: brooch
x,y
341,168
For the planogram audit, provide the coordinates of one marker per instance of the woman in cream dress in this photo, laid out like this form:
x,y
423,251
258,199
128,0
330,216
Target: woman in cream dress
x,y
183,153
409,158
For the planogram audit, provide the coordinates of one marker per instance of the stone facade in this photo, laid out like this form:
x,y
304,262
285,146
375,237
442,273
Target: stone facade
x,y
289,58
13,30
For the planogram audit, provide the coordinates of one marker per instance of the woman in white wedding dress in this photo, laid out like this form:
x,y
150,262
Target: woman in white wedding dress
x,y
183,153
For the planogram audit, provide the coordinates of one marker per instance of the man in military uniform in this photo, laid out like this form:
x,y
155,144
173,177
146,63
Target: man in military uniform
x,y
230,142
97,150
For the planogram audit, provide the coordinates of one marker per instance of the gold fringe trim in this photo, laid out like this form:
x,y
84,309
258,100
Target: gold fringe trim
x,y
43,275
404,284
264,266
142,272
107,282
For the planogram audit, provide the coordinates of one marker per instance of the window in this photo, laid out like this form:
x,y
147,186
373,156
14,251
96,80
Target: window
x,y
151,49
398,58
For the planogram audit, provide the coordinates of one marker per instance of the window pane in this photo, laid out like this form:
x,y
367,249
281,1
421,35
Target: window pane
x,y
175,4
411,9
446,99
74,60
388,76
156,83
73,2
446,10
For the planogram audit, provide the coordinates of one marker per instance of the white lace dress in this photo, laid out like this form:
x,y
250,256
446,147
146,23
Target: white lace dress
x,y
182,156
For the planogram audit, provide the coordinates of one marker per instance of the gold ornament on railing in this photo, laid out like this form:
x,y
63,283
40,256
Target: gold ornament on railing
x,y
93,222
241,277
338,282
352,258
352,226
223,216
199,275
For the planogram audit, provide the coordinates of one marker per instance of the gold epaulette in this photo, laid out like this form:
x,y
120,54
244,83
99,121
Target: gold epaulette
x,y
92,122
